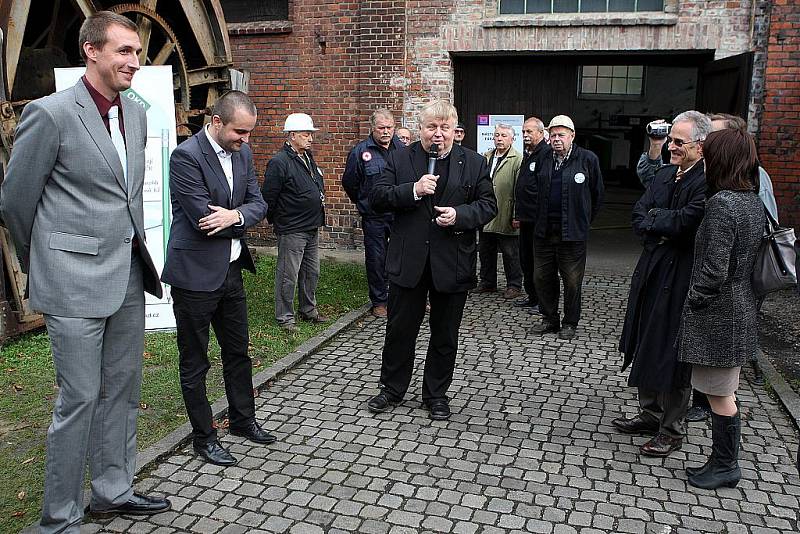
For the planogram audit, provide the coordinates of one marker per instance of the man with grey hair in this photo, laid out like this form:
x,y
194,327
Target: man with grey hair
x,y
432,253
72,201
666,218
364,166
294,191
536,149
504,162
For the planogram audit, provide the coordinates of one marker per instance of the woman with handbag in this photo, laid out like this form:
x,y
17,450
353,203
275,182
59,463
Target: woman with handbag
x,y
719,323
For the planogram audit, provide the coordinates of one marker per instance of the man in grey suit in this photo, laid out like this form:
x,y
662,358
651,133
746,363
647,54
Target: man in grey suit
x,y
72,200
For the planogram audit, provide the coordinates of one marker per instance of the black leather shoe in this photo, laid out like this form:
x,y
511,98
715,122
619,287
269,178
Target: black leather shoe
x,y
139,505
254,433
567,332
696,414
380,403
214,453
524,302
438,410
661,445
545,327
635,425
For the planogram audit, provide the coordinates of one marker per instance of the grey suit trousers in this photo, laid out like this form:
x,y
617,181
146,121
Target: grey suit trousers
x,y
98,364
668,409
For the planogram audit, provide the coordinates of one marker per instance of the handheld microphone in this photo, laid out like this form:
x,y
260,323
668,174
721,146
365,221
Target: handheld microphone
x,y
433,155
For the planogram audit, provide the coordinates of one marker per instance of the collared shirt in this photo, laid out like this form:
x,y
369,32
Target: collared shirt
x,y
225,160
496,160
681,173
560,161
103,105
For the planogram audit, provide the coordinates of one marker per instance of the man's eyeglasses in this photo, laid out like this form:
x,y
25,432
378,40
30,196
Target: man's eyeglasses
x,y
680,142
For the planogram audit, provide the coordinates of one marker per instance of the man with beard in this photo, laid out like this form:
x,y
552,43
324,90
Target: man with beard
x,y
666,218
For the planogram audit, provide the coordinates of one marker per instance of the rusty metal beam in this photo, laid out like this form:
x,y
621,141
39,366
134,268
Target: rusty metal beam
x,y
18,19
164,53
199,21
209,75
87,7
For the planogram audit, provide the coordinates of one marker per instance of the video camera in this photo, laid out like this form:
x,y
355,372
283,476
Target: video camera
x,y
658,129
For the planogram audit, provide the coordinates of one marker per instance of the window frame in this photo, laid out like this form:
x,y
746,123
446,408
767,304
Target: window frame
x,y
578,11
581,95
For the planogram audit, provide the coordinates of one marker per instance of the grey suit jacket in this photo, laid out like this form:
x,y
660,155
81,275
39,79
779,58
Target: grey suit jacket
x,y
65,201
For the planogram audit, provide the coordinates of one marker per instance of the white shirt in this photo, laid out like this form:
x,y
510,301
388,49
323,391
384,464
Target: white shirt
x,y
225,161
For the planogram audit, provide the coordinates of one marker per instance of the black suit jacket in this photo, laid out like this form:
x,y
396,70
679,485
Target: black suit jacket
x,y
195,260
415,236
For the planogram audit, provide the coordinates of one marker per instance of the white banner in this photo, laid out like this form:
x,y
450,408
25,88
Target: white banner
x,y
486,124
151,89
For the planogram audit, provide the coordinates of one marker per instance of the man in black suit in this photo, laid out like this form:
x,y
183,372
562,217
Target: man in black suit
x,y
215,198
432,253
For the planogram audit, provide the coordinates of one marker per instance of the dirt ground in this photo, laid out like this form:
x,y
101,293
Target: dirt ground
x,y
779,333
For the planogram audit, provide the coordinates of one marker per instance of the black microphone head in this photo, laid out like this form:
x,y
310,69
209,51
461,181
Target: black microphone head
x,y
434,151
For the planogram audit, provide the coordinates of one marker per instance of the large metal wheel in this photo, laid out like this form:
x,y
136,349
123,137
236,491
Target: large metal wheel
x,y
40,35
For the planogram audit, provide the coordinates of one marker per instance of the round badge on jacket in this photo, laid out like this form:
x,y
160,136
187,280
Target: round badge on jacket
x,y
366,156
580,178
532,166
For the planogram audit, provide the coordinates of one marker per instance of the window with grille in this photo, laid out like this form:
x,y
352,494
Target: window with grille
x,y
508,7
611,80
255,10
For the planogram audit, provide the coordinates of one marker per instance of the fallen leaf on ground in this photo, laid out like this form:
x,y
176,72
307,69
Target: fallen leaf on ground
x,y
143,405
21,495
29,460
18,513
17,388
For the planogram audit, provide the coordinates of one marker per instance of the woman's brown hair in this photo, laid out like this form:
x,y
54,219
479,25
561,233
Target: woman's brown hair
x,y
731,161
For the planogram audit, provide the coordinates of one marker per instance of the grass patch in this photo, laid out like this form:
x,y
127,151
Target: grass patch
x,y
27,381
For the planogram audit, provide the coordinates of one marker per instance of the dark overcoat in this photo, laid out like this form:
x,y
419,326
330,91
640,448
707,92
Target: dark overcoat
x,y
416,239
666,218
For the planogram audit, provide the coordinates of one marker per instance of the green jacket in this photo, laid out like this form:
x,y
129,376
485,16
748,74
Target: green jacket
x,y
504,180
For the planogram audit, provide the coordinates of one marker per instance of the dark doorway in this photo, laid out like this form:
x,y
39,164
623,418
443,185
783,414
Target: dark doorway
x,y
610,123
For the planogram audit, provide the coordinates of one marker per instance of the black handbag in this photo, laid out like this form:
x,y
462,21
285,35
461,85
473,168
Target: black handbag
x,y
775,266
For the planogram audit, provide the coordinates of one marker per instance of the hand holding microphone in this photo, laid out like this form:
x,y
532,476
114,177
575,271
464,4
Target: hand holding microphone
x,y
427,184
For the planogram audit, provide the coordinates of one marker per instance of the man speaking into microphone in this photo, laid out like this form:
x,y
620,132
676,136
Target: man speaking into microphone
x,y
440,195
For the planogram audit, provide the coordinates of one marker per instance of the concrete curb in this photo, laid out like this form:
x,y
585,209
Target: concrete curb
x,y
146,459
786,395
175,439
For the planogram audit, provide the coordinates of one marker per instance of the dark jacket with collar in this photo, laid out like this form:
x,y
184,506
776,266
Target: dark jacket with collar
x,y
195,260
293,192
365,163
525,201
581,193
416,238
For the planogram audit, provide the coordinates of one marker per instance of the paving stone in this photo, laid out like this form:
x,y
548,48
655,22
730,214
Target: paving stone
x,y
529,448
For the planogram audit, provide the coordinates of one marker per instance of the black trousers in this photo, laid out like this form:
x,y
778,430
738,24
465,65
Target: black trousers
x,y
226,310
406,311
376,240
555,257
488,245
526,259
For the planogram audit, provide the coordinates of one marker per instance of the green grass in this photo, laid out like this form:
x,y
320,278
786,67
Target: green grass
x,y
27,381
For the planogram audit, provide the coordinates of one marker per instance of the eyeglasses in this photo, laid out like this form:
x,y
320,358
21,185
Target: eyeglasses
x,y
680,142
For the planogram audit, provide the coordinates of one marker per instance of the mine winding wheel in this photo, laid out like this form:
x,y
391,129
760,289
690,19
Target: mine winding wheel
x,y
40,35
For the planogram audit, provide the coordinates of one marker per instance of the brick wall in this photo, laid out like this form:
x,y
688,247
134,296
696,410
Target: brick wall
x,y
779,138
338,61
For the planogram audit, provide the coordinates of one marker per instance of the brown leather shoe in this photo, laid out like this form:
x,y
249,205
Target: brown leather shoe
x,y
512,293
317,318
661,445
635,425
379,311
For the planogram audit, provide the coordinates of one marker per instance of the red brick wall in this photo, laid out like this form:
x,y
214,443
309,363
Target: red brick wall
x,y
779,138
339,61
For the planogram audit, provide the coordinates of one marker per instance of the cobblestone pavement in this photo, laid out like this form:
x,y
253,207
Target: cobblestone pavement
x,y
529,448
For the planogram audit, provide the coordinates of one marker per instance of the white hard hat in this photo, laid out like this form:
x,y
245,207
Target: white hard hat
x,y
561,120
299,122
